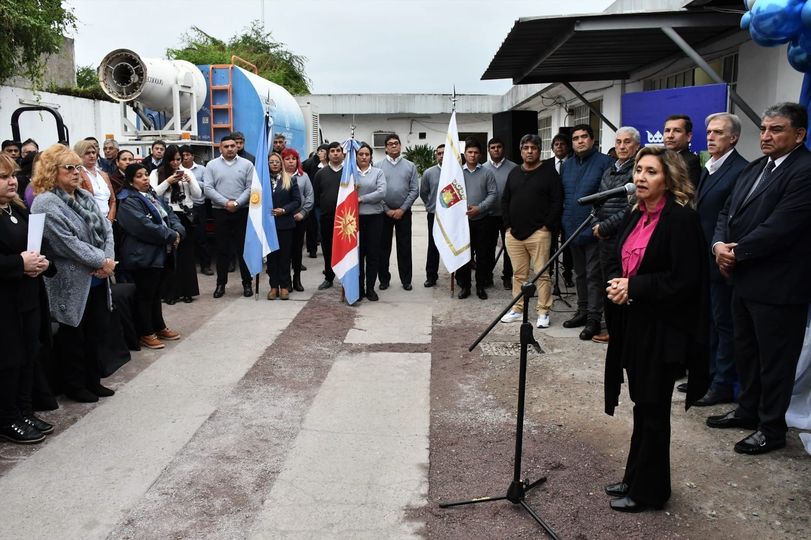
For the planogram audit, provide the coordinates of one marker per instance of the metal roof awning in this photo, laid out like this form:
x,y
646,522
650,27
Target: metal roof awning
x,y
600,47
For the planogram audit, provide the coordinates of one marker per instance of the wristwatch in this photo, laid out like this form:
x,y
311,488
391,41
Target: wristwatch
x,y
236,204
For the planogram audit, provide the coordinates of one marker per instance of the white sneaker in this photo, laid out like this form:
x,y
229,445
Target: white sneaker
x,y
543,321
512,316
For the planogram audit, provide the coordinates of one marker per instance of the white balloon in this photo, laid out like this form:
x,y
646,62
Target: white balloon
x,y
750,4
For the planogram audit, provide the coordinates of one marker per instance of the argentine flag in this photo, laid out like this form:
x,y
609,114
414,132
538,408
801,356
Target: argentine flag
x,y
345,256
260,232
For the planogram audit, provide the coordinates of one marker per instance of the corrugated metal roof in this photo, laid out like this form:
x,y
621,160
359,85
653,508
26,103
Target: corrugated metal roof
x,y
599,47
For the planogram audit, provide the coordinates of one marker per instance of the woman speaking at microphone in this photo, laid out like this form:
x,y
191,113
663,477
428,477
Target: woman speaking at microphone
x,y
658,323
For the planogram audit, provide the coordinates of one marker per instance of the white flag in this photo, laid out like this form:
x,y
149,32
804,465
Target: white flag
x,y
451,229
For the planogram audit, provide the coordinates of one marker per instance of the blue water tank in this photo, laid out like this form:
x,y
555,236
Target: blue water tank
x,y
249,95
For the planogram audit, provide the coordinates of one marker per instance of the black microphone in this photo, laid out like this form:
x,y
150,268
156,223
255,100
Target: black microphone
x,y
603,196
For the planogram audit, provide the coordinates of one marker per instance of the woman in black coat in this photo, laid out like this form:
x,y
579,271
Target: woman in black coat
x,y
150,232
658,322
286,201
21,296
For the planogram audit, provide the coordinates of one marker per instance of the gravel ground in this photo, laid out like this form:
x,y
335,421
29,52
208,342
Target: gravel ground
x,y
567,438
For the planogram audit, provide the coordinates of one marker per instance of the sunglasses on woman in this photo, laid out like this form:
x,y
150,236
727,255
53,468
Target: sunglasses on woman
x,y
71,168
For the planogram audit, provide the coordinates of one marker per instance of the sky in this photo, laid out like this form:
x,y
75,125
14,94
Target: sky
x,y
353,46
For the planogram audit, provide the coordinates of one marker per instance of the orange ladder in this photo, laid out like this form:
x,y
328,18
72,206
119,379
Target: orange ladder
x,y
220,83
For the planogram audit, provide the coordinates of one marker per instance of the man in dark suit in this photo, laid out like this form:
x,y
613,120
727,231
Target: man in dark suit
x,y
717,180
678,134
761,242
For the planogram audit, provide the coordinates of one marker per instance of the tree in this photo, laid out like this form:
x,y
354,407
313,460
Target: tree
x,y
421,155
255,45
31,30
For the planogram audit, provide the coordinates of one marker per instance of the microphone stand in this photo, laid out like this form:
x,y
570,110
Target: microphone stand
x,y
517,490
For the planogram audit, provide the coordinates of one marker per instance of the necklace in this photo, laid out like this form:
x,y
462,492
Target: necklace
x,y
7,210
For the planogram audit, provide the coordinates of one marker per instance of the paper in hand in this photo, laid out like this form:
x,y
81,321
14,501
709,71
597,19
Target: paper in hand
x,y
36,224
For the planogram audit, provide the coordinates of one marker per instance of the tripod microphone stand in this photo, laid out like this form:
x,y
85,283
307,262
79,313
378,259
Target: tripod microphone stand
x,y
517,490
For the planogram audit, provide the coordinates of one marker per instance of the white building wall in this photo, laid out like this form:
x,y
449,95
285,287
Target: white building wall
x,y
336,127
764,78
83,117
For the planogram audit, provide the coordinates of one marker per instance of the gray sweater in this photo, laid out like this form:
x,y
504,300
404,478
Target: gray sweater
x,y
481,190
371,191
402,184
500,173
305,188
428,187
70,249
228,181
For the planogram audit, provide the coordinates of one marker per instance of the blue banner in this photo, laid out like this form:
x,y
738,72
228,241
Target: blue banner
x,y
646,111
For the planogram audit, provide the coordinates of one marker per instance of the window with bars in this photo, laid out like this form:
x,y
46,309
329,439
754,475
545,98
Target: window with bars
x,y
725,66
581,114
545,133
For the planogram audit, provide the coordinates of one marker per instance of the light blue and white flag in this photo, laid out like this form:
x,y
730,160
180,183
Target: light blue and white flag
x,y
260,232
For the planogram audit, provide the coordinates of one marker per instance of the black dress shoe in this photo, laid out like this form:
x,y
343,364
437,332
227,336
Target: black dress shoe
x,y
758,443
297,286
21,433
101,391
627,504
312,254
407,286
207,271
729,420
464,292
187,300
507,283
372,296
481,293
303,268
682,387
620,489
39,424
326,284
429,283
592,329
247,290
82,395
384,285
714,397
170,301
579,319
219,290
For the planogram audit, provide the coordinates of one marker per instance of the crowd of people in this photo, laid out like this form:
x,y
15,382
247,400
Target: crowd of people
x,y
700,273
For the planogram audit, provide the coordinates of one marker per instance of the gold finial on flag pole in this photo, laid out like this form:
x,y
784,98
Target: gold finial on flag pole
x,y
453,99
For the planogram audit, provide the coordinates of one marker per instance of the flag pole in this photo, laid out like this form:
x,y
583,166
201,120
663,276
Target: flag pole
x,y
453,99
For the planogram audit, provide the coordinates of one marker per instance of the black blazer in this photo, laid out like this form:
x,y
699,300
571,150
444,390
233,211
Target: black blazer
x,y
693,165
19,294
773,256
145,238
664,330
712,194
290,200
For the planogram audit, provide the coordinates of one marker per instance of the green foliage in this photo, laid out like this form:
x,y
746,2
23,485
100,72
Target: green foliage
x,y
255,45
29,29
86,77
422,155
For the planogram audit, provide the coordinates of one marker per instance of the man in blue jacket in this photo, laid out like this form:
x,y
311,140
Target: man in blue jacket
x,y
581,177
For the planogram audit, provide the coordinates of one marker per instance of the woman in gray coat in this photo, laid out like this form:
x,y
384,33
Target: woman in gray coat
x,y
80,243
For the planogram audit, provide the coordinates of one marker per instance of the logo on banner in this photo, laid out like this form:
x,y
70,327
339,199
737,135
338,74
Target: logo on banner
x,y
654,139
451,195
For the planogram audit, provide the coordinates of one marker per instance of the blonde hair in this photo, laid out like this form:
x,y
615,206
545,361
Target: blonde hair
x,y
677,180
83,146
287,179
8,167
47,169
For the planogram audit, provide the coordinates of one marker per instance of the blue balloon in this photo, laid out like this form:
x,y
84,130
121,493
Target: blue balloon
x,y
777,21
745,20
799,52
762,40
805,14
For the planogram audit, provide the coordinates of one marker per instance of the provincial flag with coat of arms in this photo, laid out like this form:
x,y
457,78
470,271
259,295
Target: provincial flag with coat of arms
x,y
260,232
451,228
345,253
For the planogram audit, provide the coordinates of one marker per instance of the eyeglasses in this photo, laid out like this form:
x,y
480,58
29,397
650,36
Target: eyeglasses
x,y
72,168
